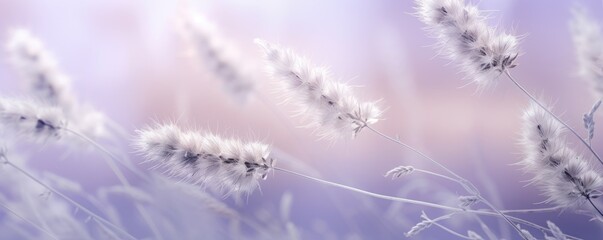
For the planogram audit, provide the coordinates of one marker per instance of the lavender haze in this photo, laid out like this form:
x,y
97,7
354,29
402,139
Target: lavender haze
x,y
130,67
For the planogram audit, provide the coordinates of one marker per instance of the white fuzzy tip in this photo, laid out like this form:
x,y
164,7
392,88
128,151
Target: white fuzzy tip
x,y
564,176
38,69
588,42
327,105
228,165
481,51
218,55
44,80
29,119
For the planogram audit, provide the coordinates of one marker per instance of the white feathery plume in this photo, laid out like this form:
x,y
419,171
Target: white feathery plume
x,y
464,36
328,105
542,139
229,165
45,81
574,183
564,176
217,54
30,119
588,41
39,69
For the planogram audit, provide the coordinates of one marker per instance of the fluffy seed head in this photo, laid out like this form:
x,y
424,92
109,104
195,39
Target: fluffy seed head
x,y
481,51
328,105
39,69
573,184
229,165
27,118
588,41
541,139
564,177
219,56
44,80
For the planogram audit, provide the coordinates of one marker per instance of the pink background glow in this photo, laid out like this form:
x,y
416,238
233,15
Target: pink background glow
x,y
128,60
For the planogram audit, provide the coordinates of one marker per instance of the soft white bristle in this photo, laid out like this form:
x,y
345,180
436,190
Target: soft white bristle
x,y
38,68
230,165
219,56
463,35
542,139
327,105
588,41
46,82
564,176
27,118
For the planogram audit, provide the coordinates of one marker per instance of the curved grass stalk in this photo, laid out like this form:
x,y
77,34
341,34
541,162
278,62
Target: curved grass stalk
x,y
421,203
122,179
469,187
79,206
40,228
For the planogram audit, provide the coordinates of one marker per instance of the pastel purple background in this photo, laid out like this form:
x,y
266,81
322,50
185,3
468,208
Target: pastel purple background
x,y
127,59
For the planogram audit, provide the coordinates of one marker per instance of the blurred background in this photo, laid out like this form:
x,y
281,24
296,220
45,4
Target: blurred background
x,y
129,60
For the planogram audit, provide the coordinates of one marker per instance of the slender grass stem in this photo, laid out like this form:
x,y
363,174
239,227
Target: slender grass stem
x,y
588,146
438,175
451,231
594,206
532,210
108,153
79,206
111,161
417,202
40,228
463,182
375,195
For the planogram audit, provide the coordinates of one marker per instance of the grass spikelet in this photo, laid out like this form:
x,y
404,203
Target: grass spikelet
x,y
27,118
463,35
328,105
588,42
230,165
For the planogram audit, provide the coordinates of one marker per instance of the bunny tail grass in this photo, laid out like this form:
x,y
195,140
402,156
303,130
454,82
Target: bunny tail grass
x,y
45,81
553,115
227,165
68,199
30,119
563,175
463,35
327,105
219,56
588,42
